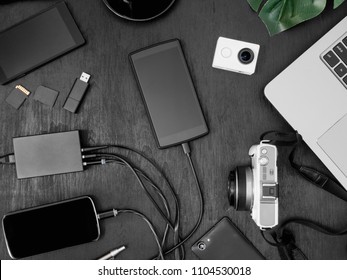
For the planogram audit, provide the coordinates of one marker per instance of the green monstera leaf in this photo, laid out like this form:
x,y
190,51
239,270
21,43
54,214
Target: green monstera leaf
x,y
255,4
338,3
280,15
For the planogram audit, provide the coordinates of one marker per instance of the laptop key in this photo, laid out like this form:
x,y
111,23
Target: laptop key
x,y
331,59
345,80
340,70
341,51
345,41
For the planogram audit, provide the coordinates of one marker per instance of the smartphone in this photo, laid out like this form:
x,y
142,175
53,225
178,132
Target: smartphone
x,y
168,92
224,241
50,227
37,40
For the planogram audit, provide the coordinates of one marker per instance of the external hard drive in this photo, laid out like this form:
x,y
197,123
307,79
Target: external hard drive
x,y
47,154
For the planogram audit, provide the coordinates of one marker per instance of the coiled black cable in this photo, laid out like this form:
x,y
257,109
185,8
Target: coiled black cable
x,y
178,242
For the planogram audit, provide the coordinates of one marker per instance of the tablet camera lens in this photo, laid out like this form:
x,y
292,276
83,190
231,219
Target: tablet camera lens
x,y
246,56
201,245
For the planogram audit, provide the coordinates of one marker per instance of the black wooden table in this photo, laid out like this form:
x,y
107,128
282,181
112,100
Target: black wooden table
x,y
112,112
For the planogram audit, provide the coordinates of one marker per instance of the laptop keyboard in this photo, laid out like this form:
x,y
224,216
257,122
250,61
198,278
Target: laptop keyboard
x,y
336,59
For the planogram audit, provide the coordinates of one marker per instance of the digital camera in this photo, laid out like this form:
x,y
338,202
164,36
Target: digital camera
x,y
237,56
255,188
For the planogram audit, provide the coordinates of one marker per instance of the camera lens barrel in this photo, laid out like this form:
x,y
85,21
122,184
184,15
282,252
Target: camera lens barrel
x,y
232,181
240,188
246,56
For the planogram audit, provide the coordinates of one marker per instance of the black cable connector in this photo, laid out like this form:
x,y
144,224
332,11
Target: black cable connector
x,y
8,159
108,214
91,149
96,162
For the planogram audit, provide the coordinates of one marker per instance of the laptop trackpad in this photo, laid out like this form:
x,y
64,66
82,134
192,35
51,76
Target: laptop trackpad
x,y
334,142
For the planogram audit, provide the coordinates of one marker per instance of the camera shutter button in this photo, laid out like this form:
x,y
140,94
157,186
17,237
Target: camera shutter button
x,y
263,160
226,52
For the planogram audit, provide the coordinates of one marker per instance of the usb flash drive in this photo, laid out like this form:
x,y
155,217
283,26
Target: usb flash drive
x,y
76,93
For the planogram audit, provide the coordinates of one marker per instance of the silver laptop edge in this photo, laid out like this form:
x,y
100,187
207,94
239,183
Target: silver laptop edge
x,y
312,99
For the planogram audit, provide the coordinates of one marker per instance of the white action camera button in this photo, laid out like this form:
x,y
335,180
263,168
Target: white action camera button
x,y
226,52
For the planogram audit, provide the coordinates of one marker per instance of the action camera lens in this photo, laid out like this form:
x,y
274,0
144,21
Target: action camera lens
x,y
246,56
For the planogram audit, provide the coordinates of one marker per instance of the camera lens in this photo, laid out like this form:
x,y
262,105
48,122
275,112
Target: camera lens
x,y
201,245
232,196
240,188
246,56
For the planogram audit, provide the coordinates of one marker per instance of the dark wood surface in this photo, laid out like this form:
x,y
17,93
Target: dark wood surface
x,y
112,112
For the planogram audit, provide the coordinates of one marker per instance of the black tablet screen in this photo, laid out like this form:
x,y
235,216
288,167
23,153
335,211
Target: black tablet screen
x,y
34,42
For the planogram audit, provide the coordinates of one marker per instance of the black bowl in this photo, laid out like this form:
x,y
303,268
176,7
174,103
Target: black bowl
x,y
139,10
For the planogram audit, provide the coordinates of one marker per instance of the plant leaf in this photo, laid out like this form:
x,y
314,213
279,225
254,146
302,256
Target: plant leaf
x,y
255,4
338,3
280,15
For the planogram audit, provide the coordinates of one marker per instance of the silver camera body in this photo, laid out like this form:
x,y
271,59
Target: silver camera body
x,y
255,188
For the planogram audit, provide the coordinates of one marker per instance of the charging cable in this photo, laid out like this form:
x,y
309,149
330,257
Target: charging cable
x,y
104,158
114,213
137,172
186,150
98,158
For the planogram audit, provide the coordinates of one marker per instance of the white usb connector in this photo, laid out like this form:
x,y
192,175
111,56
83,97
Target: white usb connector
x,y
85,77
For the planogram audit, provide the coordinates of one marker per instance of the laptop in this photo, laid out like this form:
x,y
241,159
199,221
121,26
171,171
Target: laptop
x,y
311,94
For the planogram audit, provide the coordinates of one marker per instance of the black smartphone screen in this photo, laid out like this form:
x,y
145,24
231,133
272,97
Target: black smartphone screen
x,y
37,40
169,93
50,227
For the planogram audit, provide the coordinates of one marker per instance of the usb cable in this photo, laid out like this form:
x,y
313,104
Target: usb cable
x,y
96,158
92,157
114,213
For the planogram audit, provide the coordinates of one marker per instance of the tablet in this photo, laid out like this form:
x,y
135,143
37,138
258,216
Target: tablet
x,y
36,41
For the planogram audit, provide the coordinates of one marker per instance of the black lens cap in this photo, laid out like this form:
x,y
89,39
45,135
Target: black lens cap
x,y
139,10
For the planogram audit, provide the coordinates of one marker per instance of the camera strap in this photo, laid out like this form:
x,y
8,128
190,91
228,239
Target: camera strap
x,y
284,239
285,242
312,175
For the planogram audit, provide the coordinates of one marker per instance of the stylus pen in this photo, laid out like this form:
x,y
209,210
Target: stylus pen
x,y
112,254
